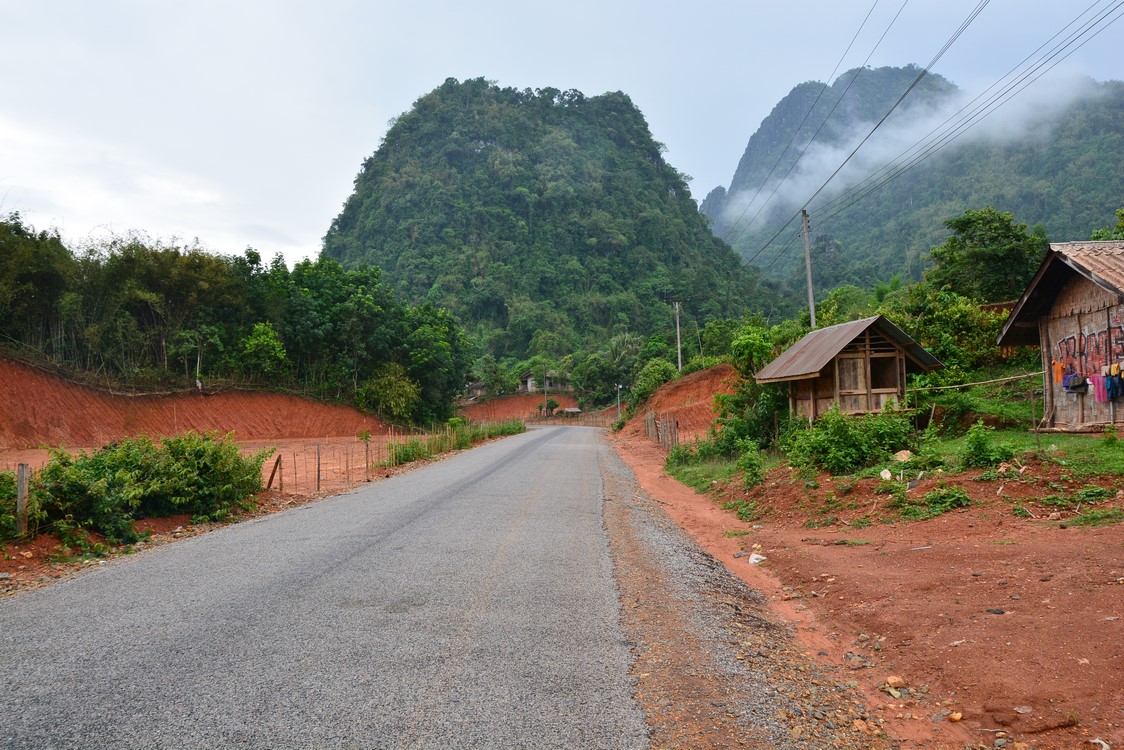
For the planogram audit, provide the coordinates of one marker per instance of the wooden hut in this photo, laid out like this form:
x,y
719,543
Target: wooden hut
x,y
1072,310
859,365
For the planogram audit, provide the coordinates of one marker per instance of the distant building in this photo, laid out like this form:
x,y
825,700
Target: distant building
x,y
1072,310
861,366
555,383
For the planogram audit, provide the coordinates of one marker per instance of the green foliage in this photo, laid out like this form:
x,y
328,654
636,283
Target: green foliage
x,y
952,327
8,507
105,491
935,502
1098,517
263,354
989,257
751,464
1111,233
980,451
146,314
546,221
1062,174
652,375
457,435
843,444
390,394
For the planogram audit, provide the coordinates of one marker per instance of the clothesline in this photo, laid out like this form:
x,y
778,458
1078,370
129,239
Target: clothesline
x,y
982,382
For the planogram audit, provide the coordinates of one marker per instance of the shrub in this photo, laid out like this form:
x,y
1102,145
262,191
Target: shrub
x,y
655,373
842,444
980,452
105,491
940,500
750,464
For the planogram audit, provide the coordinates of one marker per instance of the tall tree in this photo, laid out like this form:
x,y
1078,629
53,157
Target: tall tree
x,y
989,257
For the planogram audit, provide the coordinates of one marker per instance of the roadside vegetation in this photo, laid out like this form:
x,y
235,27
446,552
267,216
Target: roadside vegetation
x,y
958,428
458,434
90,500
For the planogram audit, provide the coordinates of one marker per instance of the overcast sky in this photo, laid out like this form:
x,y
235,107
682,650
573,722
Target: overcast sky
x,y
244,123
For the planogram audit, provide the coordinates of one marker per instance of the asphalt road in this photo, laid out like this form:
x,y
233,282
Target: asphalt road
x,y
468,604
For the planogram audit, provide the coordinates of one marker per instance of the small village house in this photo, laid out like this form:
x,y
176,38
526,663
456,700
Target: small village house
x,y
554,383
861,366
1072,310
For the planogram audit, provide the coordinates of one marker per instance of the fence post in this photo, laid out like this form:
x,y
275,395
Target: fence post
x,y
21,499
318,468
272,474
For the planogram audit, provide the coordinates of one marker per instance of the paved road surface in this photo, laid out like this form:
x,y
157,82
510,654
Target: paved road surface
x,y
469,604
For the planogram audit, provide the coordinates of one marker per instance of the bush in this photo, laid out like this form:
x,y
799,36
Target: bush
x,y
980,452
201,475
655,373
843,444
750,464
940,500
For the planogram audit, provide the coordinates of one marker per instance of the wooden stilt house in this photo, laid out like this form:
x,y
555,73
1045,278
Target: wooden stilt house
x,y
861,366
1073,309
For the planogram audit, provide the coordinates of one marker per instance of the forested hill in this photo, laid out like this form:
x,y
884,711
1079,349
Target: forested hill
x,y
544,220
1058,163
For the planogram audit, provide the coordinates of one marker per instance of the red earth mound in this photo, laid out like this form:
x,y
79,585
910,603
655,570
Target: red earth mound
x,y
522,406
38,408
689,400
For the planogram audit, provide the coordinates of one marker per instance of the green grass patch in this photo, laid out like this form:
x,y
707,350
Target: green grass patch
x,y
1098,517
744,508
734,533
458,434
940,500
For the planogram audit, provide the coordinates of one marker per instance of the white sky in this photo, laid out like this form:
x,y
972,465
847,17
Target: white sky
x,y
244,123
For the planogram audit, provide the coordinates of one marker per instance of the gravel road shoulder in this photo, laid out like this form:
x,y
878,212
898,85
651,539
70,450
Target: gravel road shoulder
x,y
713,668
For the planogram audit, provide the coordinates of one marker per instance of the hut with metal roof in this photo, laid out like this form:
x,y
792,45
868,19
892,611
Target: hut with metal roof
x,y
1072,309
861,366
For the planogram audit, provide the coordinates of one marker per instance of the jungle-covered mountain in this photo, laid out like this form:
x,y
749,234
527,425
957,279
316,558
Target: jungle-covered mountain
x,y
1053,156
544,220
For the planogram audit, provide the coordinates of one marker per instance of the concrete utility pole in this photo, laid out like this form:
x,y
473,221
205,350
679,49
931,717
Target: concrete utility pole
x,y
808,268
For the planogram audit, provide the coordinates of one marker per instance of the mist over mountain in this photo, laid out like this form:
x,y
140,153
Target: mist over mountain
x,y
1052,155
544,220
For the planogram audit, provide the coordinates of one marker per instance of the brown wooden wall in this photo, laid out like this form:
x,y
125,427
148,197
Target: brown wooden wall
x,y
866,375
1083,331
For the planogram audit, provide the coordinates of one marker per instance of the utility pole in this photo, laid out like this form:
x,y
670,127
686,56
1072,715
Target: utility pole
x,y
808,268
678,343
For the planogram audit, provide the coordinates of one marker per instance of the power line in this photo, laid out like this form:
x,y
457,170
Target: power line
x,y
797,129
847,88
961,122
917,80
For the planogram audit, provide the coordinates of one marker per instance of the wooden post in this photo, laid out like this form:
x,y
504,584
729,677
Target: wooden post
x,y
21,499
272,474
318,468
367,459
281,479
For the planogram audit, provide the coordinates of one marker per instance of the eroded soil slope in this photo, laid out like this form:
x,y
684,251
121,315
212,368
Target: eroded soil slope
x,y
38,408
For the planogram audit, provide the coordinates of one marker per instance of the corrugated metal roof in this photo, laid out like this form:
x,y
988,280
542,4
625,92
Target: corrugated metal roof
x,y
1100,262
808,356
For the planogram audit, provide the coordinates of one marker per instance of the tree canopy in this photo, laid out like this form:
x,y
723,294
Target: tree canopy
x,y
989,256
144,314
544,220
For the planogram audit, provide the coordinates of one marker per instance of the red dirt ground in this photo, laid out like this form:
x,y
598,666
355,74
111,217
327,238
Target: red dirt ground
x,y
1016,624
690,400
